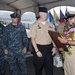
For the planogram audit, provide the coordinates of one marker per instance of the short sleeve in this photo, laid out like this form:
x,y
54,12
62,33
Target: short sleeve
x,y
32,32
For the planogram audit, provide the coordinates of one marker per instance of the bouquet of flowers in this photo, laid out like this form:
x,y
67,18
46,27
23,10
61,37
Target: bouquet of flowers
x,y
68,34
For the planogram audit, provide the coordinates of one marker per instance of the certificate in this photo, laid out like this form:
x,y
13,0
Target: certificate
x,y
54,35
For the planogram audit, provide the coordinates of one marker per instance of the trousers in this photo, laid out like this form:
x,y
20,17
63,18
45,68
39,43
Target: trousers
x,y
46,61
2,64
11,59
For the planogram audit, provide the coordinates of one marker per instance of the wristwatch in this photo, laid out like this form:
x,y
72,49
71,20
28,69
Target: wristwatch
x,y
67,43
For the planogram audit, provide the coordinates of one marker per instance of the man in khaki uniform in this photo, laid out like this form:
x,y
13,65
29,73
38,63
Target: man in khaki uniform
x,y
43,45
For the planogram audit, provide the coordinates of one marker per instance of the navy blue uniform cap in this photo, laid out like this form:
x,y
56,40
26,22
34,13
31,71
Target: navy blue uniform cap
x,y
14,15
43,9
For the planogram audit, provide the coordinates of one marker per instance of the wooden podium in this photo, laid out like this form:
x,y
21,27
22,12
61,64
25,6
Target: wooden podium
x,y
54,35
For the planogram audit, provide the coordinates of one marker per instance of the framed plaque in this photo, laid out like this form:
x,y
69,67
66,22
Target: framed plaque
x,y
54,35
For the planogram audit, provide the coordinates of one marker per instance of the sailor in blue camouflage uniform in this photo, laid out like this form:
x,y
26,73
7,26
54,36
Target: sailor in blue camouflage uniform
x,y
15,45
2,62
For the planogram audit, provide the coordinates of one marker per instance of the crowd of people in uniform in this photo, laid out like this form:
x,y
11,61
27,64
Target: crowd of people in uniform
x,y
14,42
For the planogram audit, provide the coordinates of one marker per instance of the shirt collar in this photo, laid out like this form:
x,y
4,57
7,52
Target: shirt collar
x,y
40,23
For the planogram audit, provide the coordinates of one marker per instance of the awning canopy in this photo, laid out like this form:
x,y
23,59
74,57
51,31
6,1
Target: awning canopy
x,y
22,6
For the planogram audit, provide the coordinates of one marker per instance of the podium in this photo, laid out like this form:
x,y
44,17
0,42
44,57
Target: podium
x,y
54,35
